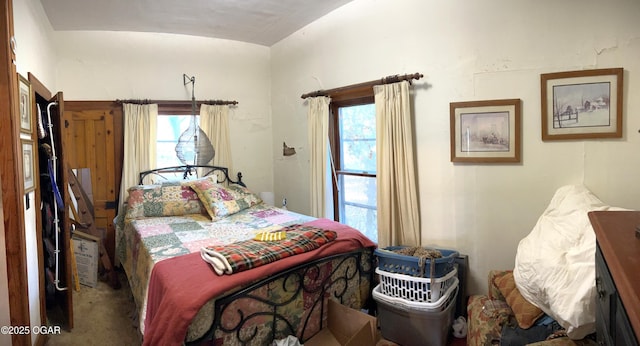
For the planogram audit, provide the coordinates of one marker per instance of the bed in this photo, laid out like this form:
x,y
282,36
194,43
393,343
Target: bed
x,y
179,296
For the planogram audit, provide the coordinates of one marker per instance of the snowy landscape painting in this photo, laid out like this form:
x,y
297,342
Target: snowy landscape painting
x,y
485,131
582,104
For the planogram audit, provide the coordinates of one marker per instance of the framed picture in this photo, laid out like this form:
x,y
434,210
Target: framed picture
x,y
28,165
25,104
582,104
485,131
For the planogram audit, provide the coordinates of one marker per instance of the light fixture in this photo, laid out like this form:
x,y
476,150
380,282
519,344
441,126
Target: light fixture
x,y
194,147
288,151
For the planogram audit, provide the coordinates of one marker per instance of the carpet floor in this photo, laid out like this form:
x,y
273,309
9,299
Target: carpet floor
x,y
102,316
105,317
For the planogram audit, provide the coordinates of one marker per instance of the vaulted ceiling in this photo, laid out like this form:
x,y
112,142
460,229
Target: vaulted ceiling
x,y
262,22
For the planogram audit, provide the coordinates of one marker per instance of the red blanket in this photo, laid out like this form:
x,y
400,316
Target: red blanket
x,y
179,286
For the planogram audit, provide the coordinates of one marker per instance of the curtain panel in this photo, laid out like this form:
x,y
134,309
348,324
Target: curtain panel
x,y
140,126
398,208
214,121
318,132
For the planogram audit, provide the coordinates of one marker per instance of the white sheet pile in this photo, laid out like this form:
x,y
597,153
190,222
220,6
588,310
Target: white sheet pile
x,y
555,263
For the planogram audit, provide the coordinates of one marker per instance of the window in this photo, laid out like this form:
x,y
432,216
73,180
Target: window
x,y
353,150
170,127
173,120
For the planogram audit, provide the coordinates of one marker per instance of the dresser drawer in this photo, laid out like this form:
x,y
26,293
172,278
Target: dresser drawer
x,y
622,331
617,283
612,322
605,293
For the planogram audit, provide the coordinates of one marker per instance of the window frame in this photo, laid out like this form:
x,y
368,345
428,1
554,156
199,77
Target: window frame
x,y
171,108
353,97
176,108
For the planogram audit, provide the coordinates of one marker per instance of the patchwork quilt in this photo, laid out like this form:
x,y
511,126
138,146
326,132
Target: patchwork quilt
x,y
145,241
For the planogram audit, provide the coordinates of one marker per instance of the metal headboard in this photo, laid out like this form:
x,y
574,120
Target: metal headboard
x,y
189,170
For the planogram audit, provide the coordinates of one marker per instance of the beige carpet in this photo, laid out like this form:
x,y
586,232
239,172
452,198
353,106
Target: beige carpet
x,y
102,316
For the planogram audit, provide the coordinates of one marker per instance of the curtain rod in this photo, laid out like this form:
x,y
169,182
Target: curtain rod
x,y
184,102
385,80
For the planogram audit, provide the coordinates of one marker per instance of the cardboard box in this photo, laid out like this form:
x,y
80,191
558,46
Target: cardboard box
x,y
345,327
85,248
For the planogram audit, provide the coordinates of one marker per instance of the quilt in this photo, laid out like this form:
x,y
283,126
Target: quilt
x,y
144,242
166,324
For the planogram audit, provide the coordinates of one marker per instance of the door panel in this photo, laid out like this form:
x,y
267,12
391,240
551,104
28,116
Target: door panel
x,y
13,281
92,138
65,293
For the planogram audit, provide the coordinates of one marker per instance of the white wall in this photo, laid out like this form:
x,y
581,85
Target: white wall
x,y
466,50
469,51
34,53
124,65
109,66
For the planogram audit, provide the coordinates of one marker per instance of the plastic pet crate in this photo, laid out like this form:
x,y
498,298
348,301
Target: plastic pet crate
x,y
392,262
416,289
410,326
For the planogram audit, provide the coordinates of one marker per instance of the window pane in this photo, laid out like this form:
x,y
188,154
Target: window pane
x,y
358,138
364,220
170,127
358,204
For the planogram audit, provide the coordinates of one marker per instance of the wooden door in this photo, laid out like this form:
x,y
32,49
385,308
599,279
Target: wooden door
x,y
64,291
55,289
94,140
11,198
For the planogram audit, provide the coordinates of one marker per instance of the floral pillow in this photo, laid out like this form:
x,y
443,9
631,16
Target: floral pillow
x,y
166,199
220,201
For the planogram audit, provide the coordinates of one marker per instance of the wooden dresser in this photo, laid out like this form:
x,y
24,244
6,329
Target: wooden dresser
x,y
617,276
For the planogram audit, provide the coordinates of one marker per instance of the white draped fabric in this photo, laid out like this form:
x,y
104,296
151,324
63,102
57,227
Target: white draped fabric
x,y
318,125
214,121
398,209
140,126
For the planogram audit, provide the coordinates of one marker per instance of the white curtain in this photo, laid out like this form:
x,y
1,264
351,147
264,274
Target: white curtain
x,y
398,209
214,121
318,120
140,125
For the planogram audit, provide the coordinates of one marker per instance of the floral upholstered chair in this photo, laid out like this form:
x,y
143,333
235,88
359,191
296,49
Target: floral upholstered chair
x,y
504,308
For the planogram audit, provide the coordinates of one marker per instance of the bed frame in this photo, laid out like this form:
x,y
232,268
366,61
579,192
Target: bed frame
x,y
352,267
301,284
192,170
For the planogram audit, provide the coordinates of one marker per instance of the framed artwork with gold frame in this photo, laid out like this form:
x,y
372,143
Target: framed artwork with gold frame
x,y
28,165
582,104
24,94
485,131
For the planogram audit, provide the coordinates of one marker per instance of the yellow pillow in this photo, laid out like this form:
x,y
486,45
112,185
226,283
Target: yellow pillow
x,y
525,312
